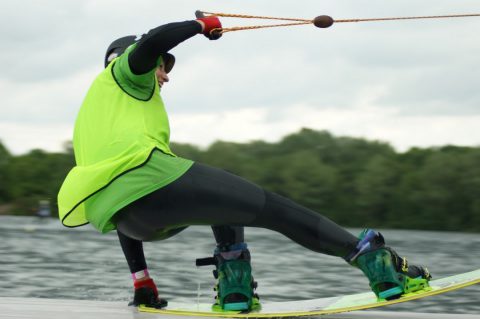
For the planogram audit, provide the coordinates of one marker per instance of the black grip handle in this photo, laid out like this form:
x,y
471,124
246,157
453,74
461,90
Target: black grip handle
x,y
199,14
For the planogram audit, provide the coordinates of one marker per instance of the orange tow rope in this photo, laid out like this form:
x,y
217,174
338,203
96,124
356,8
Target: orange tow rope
x,y
320,21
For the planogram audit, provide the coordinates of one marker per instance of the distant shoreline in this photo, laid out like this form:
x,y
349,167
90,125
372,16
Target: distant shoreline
x,y
6,209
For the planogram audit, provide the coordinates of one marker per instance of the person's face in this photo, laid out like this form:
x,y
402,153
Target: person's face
x,y
162,76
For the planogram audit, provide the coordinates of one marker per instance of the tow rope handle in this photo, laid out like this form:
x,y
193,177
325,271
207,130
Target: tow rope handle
x,y
215,33
199,14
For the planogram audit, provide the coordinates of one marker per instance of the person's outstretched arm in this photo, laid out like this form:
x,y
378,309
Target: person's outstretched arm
x,y
144,57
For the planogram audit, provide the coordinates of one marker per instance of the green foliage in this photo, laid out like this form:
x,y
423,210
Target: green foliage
x,y
35,176
187,151
353,181
5,159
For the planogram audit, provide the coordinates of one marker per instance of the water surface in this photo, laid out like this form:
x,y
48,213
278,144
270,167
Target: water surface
x,y
40,258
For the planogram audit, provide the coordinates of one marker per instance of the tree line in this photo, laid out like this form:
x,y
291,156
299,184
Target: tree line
x,y
353,181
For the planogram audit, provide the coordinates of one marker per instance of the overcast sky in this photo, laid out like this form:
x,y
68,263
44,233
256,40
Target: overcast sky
x,y
408,83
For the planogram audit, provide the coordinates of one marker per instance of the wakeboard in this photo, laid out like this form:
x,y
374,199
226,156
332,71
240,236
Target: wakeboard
x,y
321,306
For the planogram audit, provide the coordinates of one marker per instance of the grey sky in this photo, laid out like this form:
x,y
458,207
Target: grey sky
x,y
410,83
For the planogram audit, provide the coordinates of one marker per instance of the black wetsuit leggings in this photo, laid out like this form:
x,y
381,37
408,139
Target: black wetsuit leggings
x,y
206,195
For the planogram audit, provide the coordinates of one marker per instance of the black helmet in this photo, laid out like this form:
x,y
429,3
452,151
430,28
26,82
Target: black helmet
x,y
121,44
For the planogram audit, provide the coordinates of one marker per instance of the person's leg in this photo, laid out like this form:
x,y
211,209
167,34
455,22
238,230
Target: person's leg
x,y
209,196
226,236
145,290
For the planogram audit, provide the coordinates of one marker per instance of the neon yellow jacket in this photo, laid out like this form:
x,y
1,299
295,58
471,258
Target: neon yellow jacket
x,y
114,133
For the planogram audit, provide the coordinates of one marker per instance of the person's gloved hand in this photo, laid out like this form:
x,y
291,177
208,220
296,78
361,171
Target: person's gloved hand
x,y
146,293
211,23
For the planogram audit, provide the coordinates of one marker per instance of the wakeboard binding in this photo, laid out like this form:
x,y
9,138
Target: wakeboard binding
x,y
235,287
390,276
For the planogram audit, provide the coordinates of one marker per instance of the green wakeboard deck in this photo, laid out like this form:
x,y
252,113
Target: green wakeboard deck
x,y
320,306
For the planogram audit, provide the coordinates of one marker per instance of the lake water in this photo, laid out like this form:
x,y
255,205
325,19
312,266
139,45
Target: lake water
x,y
40,258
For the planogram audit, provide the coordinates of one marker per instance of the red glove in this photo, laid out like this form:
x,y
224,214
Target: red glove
x,y
211,23
146,293
146,284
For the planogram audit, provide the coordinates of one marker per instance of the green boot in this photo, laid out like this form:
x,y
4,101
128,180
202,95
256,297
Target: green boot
x,y
235,285
390,276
